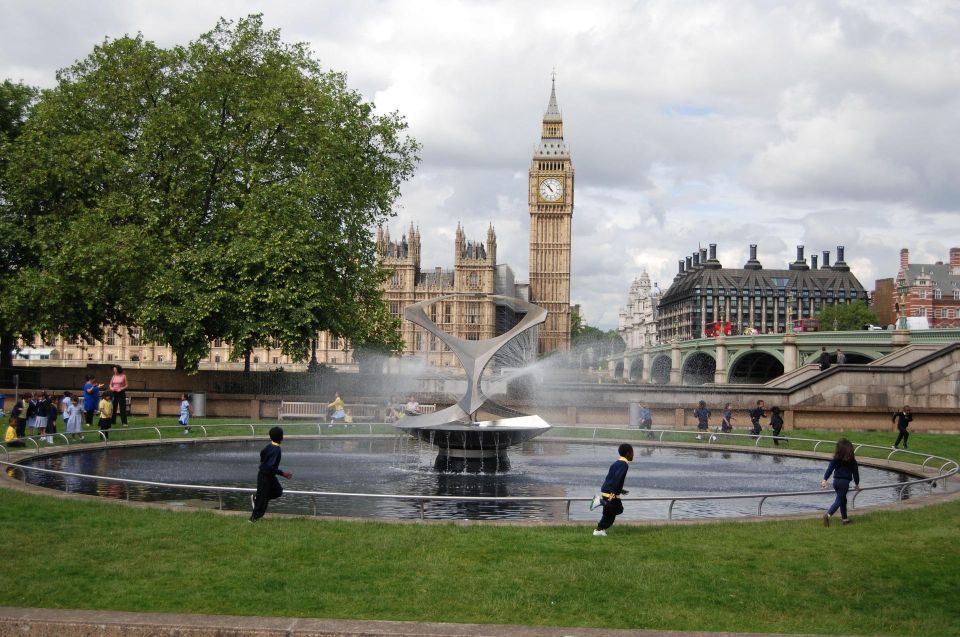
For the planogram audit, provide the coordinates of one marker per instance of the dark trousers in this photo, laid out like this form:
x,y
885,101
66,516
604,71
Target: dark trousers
x,y
841,486
755,430
88,416
611,509
120,406
105,424
21,427
903,435
268,488
776,434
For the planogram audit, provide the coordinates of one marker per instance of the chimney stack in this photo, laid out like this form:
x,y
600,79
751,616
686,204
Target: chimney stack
x,y
680,271
712,263
813,262
826,260
840,264
905,258
689,264
703,256
954,261
800,263
752,263
696,260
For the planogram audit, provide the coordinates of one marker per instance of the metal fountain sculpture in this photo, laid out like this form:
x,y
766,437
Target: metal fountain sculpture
x,y
465,442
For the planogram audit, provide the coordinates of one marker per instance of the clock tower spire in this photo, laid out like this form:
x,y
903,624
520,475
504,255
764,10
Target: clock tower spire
x,y
550,200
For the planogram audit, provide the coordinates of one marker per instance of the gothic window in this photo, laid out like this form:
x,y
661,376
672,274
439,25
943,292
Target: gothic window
x,y
395,279
956,295
217,342
473,313
111,338
447,313
395,308
334,342
474,279
134,335
418,342
938,294
922,294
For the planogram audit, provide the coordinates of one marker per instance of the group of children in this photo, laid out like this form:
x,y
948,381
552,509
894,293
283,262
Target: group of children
x,y
702,414
37,415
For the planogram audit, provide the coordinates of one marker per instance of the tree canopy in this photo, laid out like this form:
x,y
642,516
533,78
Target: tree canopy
x,y
16,99
847,316
224,189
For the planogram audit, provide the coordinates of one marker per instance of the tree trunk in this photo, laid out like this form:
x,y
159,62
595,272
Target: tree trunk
x,y
246,360
7,343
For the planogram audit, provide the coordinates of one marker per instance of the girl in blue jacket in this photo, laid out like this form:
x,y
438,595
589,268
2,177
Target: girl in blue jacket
x,y
844,468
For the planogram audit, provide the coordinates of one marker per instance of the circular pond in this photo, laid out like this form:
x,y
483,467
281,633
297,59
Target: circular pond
x,y
401,466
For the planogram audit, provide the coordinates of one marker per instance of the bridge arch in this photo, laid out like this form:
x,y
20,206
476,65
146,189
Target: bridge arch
x,y
660,369
698,368
754,367
636,369
618,369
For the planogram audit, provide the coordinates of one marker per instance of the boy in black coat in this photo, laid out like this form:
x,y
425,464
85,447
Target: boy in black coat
x,y
612,489
268,487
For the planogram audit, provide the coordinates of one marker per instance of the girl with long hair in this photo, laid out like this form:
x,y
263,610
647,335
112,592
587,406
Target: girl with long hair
x,y
844,468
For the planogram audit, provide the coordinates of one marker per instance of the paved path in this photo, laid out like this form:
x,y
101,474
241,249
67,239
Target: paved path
x,y
41,622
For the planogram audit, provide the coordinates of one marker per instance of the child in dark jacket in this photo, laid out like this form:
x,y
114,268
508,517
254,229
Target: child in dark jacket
x,y
844,468
776,423
268,487
612,489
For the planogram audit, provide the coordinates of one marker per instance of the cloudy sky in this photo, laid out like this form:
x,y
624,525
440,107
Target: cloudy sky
x,y
775,123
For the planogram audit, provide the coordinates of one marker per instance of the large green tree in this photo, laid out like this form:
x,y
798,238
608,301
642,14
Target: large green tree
x,y
846,316
16,100
223,189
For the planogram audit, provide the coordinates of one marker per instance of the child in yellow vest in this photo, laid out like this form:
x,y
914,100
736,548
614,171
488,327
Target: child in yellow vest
x,y
106,413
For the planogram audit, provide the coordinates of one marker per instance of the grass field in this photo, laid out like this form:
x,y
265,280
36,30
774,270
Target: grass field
x,y
889,573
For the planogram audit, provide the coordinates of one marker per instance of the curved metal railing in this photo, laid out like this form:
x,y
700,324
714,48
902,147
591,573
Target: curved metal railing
x,y
947,468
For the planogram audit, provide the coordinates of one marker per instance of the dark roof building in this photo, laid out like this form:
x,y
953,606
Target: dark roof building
x,y
752,298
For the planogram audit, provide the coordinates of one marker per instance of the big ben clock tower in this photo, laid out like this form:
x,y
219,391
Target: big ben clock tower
x,y
550,196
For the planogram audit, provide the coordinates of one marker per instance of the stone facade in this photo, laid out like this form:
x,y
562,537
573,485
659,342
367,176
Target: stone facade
x,y
638,318
930,290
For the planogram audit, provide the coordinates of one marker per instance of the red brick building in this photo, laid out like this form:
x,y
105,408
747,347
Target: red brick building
x,y
929,289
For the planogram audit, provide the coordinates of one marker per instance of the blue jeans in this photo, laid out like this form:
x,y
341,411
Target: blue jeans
x,y
841,486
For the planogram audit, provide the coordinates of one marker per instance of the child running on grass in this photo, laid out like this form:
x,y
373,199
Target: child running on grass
x,y
268,487
844,468
612,489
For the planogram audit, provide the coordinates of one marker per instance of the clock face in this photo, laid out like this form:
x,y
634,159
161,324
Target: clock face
x,y
551,189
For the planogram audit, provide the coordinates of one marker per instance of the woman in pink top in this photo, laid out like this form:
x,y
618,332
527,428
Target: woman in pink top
x,y
118,385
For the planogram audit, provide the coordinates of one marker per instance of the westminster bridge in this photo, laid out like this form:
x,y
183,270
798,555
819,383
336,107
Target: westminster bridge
x,y
760,358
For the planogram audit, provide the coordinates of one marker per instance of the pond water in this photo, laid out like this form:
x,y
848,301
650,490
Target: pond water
x,y
402,465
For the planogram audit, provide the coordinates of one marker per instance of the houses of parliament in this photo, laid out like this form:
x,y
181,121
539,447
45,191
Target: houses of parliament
x,y
475,275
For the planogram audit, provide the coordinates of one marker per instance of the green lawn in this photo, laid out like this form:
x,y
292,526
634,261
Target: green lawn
x,y
890,573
